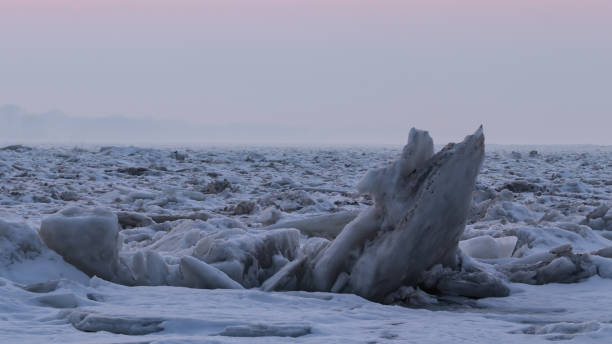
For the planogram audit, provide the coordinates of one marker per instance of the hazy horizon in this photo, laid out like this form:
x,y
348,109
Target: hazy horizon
x,y
55,127
331,71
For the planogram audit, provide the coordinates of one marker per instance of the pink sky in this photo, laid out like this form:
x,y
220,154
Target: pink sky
x,y
424,63
547,9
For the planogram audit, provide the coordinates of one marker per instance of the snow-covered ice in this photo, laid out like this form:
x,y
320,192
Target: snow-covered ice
x,y
135,226
420,211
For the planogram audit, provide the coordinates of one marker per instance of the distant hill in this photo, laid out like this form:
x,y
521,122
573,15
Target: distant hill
x,y
20,126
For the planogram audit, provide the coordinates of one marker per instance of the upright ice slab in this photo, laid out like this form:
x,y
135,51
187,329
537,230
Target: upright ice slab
x,y
421,206
85,238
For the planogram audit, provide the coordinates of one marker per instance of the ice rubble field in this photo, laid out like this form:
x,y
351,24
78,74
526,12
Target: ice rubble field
x,y
177,203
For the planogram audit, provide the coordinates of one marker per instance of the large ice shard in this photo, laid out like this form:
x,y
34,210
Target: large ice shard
x,y
421,205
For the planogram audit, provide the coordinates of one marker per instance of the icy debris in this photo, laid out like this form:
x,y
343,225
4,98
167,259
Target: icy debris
x,y
473,284
599,218
284,181
249,258
133,171
18,242
551,215
88,239
541,239
488,247
255,157
40,199
604,265
409,296
567,330
341,282
197,274
160,218
288,201
63,300
269,216
559,265
216,186
266,330
178,156
519,186
481,201
136,195
604,252
193,195
563,249
131,219
291,276
326,226
573,186
244,208
147,268
511,212
69,196
178,238
91,322
285,278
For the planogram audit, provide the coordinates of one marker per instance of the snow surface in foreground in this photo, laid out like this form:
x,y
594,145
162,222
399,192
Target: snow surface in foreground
x,y
577,312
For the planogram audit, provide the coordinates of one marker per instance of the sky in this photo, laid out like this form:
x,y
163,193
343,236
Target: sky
x,y
530,71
